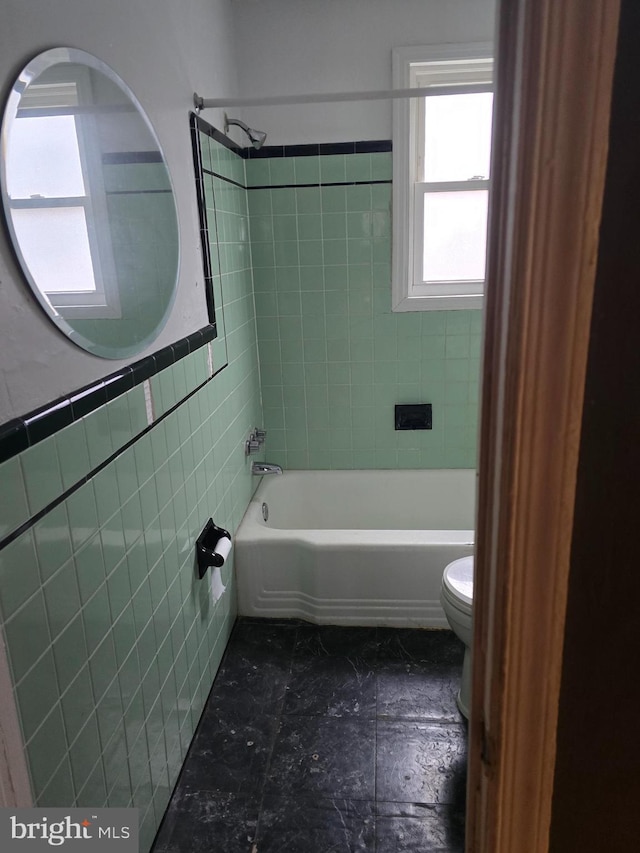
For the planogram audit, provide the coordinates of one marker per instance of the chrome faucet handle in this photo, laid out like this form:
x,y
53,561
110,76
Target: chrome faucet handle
x,y
260,435
252,445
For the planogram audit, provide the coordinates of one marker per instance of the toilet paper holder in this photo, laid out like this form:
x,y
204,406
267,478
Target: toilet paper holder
x,y
208,545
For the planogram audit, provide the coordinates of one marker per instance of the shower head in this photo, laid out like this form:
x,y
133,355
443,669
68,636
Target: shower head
x,y
257,137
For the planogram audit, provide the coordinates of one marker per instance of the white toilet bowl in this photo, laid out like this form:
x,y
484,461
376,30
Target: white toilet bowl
x,y
456,597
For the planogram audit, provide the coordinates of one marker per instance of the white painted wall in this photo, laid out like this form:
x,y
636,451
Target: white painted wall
x,y
164,50
303,46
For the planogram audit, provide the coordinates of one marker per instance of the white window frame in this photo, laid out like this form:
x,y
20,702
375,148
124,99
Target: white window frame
x,y
102,301
409,293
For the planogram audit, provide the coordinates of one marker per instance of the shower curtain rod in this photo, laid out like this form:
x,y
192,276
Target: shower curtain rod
x,y
334,97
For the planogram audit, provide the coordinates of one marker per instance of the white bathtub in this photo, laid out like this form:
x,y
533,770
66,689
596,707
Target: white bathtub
x,y
354,547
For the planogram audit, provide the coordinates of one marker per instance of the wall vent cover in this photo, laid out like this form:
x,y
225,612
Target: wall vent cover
x,y
413,416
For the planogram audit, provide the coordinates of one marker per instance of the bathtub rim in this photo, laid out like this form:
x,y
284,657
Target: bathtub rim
x,y
253,513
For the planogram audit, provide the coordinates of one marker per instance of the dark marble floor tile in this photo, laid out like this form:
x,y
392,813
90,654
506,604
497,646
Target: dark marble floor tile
x,y
414,828
246,686
438,649
333,640
421,762
230,754
316,826
259,639
406,691
290,723
323,756
201,822
331,686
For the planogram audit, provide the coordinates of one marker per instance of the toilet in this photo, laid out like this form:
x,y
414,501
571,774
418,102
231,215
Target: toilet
x,y
456,597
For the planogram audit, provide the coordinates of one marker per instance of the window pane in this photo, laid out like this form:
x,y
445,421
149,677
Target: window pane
x,y
44,158
457,137
55,245
455,236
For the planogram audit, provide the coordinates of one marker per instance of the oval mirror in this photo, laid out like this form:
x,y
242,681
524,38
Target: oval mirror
x,y
89,203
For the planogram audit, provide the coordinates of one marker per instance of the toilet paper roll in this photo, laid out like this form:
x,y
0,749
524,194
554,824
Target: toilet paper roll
x,y
223,547
217,587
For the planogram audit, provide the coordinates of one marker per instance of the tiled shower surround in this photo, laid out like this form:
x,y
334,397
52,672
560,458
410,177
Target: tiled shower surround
x,y
112,642
334,359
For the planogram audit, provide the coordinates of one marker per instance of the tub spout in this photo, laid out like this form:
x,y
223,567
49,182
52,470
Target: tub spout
x,y
260,468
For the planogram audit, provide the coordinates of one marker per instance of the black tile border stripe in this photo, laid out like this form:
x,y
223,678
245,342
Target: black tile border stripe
x,y
19,434
296,186
373,146
13,438
315,186
34,519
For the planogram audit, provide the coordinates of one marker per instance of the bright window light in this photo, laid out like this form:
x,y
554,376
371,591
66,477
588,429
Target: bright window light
x,y
457,137
55,245
455,227
44,158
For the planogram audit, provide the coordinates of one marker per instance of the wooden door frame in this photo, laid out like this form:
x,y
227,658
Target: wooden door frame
x,y
554,78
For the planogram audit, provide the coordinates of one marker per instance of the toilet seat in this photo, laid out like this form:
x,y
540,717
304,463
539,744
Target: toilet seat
x,y
457,584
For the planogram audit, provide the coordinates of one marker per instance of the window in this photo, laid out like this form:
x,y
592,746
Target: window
x,y
441,146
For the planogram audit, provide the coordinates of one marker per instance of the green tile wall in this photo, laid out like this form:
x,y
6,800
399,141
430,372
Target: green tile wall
x,y
112,643
334,359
